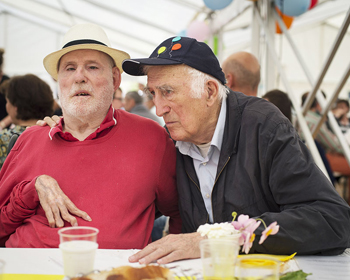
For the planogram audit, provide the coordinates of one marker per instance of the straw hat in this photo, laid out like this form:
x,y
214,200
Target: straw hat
x,y
86,36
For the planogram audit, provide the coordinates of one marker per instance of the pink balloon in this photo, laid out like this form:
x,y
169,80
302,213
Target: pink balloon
x,y
198,30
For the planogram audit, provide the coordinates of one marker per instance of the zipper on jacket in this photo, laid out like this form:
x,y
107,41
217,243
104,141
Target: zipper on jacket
x,y
217,178
199,191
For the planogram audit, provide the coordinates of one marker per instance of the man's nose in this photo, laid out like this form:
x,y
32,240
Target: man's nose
x,y
80,76
162,106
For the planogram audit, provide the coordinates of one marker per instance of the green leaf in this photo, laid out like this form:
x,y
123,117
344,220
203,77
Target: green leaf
x,y
295,275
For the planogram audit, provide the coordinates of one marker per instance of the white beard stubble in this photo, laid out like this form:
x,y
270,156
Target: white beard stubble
x,y
80,107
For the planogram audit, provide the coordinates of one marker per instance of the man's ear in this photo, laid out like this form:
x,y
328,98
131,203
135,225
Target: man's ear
x,y
117,78
212,93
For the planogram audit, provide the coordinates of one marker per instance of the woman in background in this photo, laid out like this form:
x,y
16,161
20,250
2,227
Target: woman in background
x,y
29,99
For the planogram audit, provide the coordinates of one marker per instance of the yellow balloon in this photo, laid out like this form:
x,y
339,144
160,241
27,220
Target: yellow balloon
x,y
161,50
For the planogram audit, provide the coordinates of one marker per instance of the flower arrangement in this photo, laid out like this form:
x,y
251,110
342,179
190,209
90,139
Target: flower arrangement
x,y
247,226
244,227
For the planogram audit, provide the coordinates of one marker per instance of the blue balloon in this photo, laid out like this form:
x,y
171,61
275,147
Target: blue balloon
x,y
293,8
217,4
182,33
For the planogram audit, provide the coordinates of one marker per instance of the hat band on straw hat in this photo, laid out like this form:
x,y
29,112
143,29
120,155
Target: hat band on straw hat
x,y
83,41
84,36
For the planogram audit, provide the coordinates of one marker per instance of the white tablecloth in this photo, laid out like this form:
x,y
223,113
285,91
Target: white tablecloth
x,y
49,261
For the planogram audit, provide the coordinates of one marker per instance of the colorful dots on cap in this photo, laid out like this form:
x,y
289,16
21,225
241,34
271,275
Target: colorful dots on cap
x,y
161,50
174,47
178,38
177,46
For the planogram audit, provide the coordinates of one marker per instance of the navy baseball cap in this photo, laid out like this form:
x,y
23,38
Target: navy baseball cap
x,y
179,50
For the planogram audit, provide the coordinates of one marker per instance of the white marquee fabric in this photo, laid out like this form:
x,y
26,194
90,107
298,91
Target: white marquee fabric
x,y
30,29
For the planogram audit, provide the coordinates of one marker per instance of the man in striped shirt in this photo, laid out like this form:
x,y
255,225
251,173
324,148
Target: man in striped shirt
x,y
327,139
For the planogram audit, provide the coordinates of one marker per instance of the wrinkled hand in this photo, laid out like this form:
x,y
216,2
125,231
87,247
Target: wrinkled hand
x,y
50,121
170,248
56,204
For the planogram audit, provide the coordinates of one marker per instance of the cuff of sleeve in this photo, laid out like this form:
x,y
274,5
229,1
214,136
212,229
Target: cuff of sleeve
x,y
29,195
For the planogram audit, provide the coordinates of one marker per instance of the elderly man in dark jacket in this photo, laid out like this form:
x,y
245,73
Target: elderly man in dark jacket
x,y
236,153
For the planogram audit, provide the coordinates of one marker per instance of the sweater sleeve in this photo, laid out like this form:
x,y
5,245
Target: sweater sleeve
x,y
167,197
313,218
22,204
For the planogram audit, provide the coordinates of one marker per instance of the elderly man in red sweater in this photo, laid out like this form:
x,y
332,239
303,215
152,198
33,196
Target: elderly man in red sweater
x,y
117,167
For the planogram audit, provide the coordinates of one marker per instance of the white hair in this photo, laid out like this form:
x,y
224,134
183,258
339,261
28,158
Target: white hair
x,y
198,82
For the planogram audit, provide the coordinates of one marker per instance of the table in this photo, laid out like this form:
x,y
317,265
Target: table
x,y
49,262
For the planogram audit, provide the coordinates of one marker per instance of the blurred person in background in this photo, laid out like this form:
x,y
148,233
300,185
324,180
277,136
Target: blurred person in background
x,y
57,110
281,100
325,136
148,102
242,73
5,119
326,139
117,102
29,99
341,112
133,103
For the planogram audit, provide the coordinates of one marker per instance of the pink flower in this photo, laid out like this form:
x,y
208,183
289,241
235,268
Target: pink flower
x,y
248,242
246,226
270,230
240,225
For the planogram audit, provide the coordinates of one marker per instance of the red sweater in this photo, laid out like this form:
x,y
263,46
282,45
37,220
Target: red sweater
x,y
118,175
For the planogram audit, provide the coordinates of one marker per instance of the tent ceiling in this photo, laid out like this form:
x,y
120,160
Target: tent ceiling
x,y
136,26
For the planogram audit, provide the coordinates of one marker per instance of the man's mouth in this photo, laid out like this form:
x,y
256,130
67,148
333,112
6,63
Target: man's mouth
x,y
83,93
169,123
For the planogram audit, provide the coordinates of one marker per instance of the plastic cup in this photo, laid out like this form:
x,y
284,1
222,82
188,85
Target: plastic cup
x,y
78,246
218,258
2,269
258,268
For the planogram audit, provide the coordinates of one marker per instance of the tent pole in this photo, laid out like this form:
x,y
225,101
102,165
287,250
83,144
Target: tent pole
x,y
326,109
255,32
329,60
333,123
270,69
303,125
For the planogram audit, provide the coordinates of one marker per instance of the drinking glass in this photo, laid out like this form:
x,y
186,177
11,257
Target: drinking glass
x,y
258,268
219,257
78,246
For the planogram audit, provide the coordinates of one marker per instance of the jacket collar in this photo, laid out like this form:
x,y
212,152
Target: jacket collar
x,y
232,128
